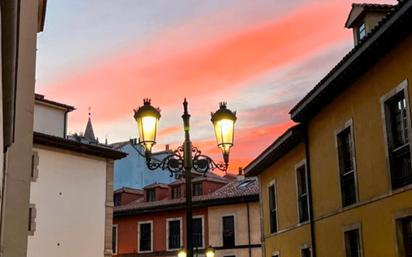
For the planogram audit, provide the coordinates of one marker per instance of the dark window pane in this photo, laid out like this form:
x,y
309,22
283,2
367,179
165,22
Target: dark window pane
x,y
114,239
197,189
361,31
117,199
305,252
151,195
174,234
145,242
346,167
272,209
302,194
228,231
197,232
176,192
352,243
407,236
397,123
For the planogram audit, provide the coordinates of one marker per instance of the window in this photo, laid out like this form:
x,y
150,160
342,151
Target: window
x,y
305,252
245,183
145,236
302,185
197,189
197,232
396,112
346,166
361,31
151,195
114,239
174,234
228,231
176,192
32,219
406,244
273,209
117,198
34,166
352,243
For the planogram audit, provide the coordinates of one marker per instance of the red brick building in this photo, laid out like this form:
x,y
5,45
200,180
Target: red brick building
x,y
153,224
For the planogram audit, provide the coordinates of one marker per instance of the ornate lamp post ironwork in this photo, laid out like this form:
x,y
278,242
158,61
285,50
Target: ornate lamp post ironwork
x,y
186,158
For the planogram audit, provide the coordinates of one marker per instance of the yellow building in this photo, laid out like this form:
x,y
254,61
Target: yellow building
x,y
356,129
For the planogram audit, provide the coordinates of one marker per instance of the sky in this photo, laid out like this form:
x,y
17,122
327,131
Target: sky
x,y
259,56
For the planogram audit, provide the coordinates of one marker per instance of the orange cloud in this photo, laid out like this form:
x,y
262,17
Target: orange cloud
x,y
116,86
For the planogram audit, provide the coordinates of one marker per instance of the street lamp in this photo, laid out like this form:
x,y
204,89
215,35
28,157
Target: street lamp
x,y
210,252
186,158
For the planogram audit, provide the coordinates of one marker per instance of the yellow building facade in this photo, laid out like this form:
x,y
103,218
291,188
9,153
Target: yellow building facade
x,y
356,126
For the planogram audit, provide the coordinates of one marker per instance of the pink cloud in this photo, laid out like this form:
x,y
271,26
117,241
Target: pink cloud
x,y
116,86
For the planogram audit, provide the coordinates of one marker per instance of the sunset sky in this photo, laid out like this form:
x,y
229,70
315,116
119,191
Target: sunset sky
x,y
260,56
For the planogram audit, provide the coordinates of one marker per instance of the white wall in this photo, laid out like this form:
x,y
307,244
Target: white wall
x,y
49,120
69,196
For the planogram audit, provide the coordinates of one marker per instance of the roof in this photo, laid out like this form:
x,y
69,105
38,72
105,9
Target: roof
x,y
392,28
154,185
75,146
282,145
229,194
42,15
40,98
88,132
358,9
129,190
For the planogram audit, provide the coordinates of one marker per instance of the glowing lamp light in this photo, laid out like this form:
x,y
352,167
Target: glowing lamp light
x,y
147,118
210,252
182,253
224,122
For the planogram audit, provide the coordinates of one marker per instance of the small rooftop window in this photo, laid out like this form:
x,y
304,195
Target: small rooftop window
x,y
244,183
361,31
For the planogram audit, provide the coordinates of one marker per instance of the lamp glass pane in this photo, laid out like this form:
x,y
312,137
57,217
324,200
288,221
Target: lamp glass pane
x,y
147,131
224,133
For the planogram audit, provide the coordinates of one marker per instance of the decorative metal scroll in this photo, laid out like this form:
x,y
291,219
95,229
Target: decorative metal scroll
x,y
174,163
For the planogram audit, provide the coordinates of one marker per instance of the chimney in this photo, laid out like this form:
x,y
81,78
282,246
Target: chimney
x,y
240,171
241,174
167,147
363,18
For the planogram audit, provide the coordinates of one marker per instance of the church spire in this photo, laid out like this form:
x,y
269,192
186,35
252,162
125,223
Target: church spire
x,y
89,133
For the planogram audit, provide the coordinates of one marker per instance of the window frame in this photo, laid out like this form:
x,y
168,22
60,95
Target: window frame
x,y
348,125
178,189
348,228
234,228
167,233
359,31
273,183
297,167
194,186
401,87
148,191
202,217
151,235
397,230
31,226
117,239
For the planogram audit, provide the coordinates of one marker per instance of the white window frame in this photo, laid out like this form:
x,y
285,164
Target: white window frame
x,y
167,233
151,235
348,124
117,239
273,183
234,226
403,86
397,228
297,166
355,226
203,229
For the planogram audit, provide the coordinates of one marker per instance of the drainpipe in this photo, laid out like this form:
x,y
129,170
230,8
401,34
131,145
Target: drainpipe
x,y
311,219
248,229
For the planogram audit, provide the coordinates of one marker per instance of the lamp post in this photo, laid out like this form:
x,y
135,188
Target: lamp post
x,y
186,157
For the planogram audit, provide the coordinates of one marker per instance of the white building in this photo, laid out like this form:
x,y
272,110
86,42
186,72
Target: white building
x,y
72,190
